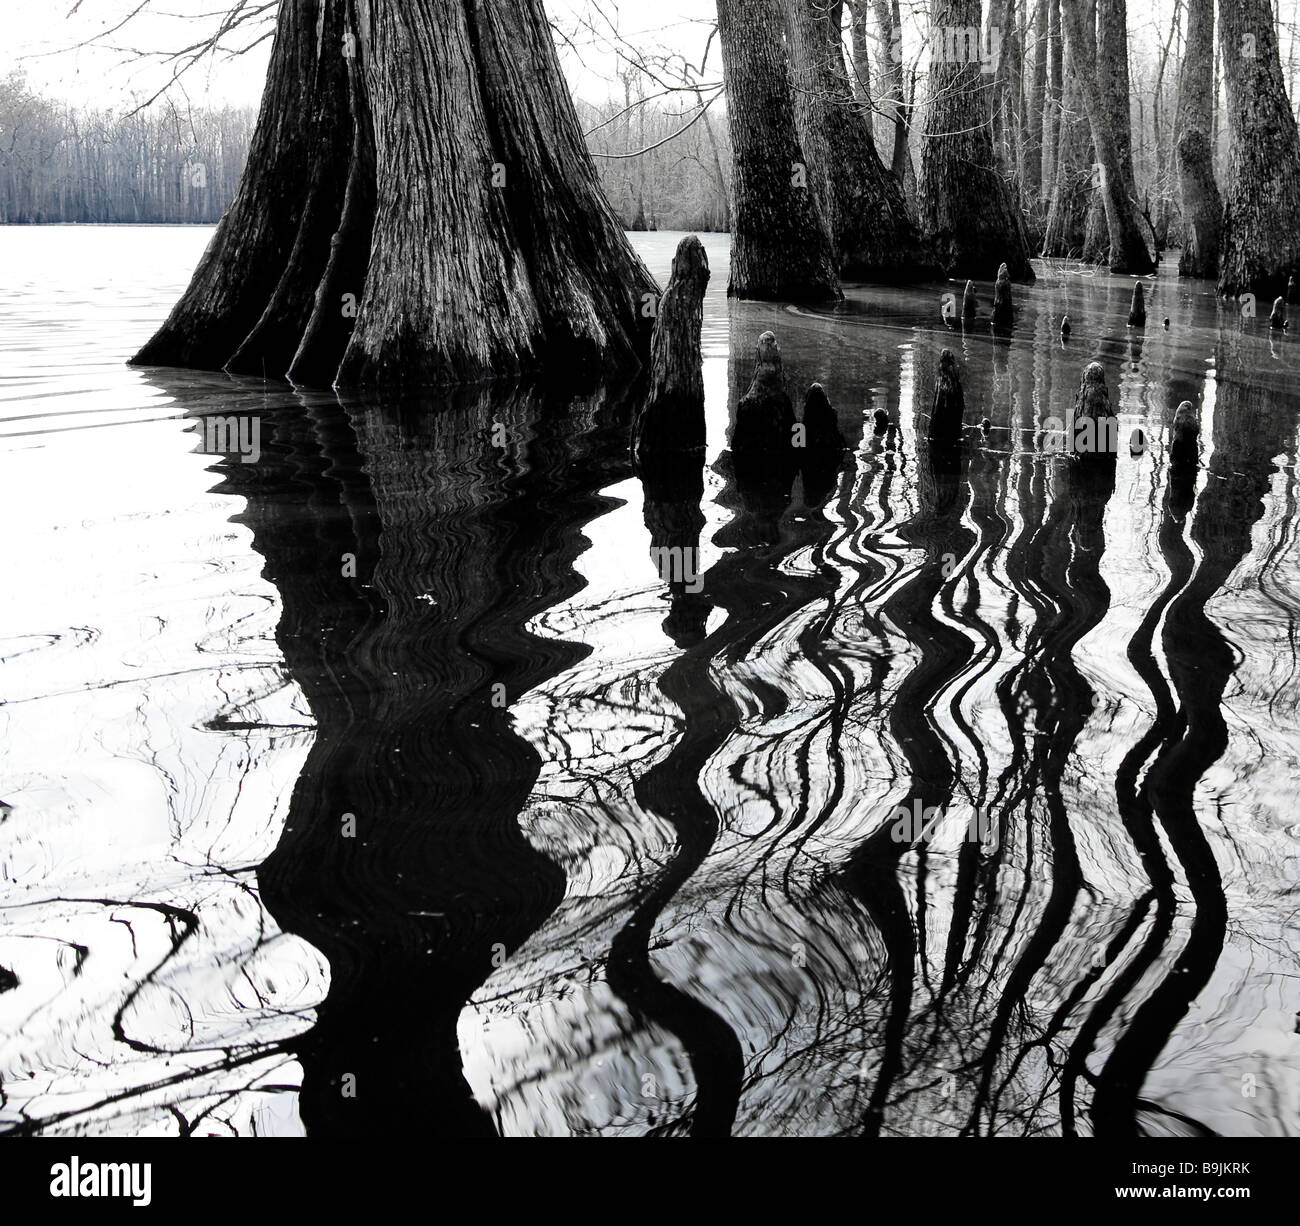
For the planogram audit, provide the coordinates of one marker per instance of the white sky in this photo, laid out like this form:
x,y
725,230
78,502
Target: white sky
x,y
35,28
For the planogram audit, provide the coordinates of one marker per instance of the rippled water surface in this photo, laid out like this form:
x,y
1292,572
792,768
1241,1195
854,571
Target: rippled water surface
x,y
380,784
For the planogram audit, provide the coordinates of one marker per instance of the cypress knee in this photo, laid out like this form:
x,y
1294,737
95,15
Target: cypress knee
x,y
821,428
765,416
823,447
1278,318
1094,428
949,405
969,302
1186,435
1003,314
672,417
1137,315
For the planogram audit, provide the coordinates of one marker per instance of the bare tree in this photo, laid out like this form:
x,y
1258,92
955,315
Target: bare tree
x,y
1035,99
893,95
1114,94
1261,215
1052,100
860,201
780,244
965,206
1098,75
1202,205
391,229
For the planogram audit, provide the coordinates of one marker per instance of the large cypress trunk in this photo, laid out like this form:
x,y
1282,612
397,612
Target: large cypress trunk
x,y
861,203
1202,205
780,244
1100,65
418,207
1261,215
965,206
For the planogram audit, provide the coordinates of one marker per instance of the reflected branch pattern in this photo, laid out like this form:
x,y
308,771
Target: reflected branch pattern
x,y
901,790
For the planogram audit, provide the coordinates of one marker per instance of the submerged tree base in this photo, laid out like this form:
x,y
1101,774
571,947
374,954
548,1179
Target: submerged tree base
x,y
388,235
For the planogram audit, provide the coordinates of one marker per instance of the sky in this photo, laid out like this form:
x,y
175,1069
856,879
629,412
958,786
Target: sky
x,y
42,36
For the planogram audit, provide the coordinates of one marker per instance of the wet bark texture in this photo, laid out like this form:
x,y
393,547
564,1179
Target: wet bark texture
x,y
672,418
1100,65
821,426
1185,435
1003,309
1137,312
418,207
965,206
1201,202
1092,421
861,202
1261,215
949,405
780,244
765,414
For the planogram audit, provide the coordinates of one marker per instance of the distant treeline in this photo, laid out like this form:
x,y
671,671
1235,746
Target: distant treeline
x,y
163,164
166,164
681,184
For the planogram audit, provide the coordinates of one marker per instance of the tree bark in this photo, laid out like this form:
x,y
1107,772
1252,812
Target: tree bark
x,y
860,201
964,205
780,244
672,417
1035,99
1071,192
861,58
1008,121
1202,205
763,435
949,405
1112,79
490,249
1261,215
1128,249
1052,99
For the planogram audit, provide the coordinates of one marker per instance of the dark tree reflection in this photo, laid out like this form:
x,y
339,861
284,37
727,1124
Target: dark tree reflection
x,y
410,548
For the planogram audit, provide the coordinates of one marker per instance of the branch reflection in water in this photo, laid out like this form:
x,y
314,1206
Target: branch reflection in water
x,y
598,827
